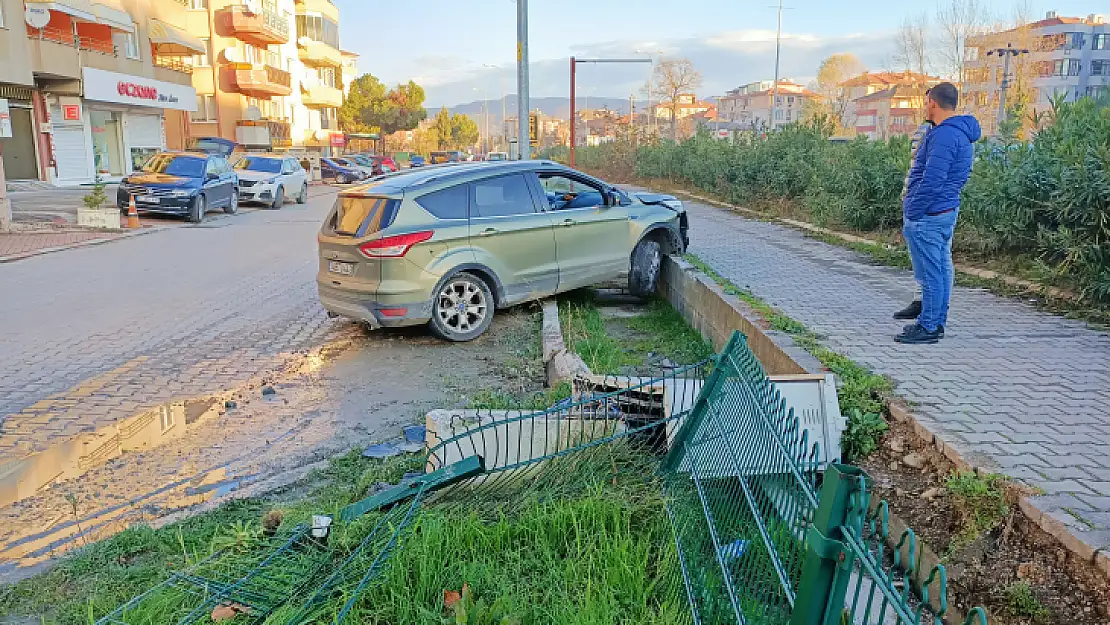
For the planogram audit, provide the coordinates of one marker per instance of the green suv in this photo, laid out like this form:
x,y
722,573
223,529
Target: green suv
x,y
447,245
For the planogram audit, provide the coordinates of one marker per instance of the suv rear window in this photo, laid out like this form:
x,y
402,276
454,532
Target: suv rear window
x,y
360,216
449,203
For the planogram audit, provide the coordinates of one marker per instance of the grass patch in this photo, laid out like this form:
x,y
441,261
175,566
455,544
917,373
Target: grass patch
x,y
669,334
863,395
501,400
660,331
1019,600
981,503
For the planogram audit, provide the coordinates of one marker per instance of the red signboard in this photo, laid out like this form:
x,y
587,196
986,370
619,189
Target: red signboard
x,y
144,92
71,112
338,140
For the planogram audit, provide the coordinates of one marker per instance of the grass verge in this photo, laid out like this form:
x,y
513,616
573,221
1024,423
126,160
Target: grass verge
x,y
863,395
619,346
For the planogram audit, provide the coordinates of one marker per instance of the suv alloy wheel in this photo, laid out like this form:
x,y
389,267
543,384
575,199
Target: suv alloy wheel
x,y
463,308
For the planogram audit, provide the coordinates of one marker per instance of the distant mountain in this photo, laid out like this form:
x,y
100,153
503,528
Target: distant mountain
x,y
555,107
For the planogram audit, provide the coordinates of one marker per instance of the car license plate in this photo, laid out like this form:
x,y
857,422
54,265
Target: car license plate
x,y
345,269
150,199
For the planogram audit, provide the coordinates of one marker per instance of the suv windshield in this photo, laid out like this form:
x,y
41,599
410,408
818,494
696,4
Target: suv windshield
x,y
265,165
175,165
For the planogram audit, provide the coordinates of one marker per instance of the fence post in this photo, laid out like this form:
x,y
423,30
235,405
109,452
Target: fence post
x,y
828,563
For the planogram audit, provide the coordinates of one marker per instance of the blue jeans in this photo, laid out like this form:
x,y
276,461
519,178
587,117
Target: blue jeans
x,y
929,240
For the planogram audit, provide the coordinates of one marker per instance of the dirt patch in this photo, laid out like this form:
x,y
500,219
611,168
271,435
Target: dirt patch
x,y
999,569
345,395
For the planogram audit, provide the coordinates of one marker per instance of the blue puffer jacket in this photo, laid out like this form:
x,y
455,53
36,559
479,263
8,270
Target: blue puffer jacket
x,y
941,167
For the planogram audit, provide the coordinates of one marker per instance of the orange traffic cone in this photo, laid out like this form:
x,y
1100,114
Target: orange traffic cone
x,y
132,215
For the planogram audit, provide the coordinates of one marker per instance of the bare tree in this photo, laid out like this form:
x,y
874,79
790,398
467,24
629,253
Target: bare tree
x,y
673,78
959,20
911,45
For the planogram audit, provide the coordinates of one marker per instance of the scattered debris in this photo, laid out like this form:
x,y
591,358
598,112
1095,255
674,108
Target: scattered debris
x,y
228,611
914,460
451,597
268,391
231,404
931,493
896,444
272,521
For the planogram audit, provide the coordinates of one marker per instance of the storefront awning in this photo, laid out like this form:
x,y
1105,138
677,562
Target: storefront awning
x,y
81,9
173,42
110,13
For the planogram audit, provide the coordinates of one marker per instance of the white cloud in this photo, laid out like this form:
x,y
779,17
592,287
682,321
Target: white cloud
x,y
725,59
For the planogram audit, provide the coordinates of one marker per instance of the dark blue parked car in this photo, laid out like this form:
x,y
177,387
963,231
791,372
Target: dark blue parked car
x,y
340,173
416,161
181,183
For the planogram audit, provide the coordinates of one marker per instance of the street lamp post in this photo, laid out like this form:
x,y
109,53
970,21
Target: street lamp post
x,y
1006,53
501,85
523,106
573,66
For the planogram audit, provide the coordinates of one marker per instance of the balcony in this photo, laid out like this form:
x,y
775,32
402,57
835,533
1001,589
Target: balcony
x,y
321,96
260,81
318,54
173,63
261,28
264,133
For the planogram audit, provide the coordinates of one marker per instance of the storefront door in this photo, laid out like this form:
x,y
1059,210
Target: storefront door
x,y
19,149
107,135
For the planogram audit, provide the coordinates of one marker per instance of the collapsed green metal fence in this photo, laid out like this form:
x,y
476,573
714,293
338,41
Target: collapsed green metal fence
x,y
767,527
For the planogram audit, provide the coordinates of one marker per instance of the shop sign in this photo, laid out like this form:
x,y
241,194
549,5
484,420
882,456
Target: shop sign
x,y
71,112
5,119
338,140
105,86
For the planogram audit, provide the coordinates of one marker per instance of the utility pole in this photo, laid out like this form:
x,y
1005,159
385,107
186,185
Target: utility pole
x,y
1006,53
573,69
775,88
524,109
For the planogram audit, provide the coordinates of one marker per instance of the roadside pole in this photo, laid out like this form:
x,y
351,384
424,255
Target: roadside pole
x,y
524,110
5,205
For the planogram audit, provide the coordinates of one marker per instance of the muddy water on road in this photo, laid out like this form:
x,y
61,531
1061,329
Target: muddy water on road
x,y
195,453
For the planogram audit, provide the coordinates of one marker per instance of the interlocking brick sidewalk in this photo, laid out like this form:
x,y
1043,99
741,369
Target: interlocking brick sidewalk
x,y
21,244
1011,388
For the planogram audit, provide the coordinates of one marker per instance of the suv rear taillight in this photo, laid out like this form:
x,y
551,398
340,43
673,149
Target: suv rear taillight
x,y
395,246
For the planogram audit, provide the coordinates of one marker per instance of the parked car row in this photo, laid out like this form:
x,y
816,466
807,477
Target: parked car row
x,y
214,174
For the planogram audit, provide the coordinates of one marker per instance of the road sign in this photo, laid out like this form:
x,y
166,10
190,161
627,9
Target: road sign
x,y
534,129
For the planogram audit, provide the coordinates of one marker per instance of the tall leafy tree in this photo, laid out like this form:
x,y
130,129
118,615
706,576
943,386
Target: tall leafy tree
x,y
454,131
370,107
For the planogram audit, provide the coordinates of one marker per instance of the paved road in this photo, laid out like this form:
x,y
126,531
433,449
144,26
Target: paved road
x,y
94,333
1012,387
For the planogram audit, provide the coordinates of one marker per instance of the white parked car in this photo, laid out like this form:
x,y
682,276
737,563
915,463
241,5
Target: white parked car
x,y
271,179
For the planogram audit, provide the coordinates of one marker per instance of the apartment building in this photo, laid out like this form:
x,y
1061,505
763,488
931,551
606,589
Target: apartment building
x,y
271,75
1068,56
92,89
751,105
895,111
688,105
872,95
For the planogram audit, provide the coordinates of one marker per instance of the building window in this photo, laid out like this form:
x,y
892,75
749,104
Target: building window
x,y
131,46
198,4
778,114
327,76
790,100
206,108
318,28
788,115
1098,91
1075,41
1101,42
778,100
166,418
204,60
971,54
1100,68
1074,67
1,15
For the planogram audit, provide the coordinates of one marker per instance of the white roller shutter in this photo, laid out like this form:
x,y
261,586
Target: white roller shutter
x,y
71,149
145,131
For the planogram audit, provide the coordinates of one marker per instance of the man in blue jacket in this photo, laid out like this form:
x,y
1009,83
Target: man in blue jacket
x,y
938,173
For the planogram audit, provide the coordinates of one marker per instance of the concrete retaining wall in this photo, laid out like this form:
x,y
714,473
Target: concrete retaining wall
x,y
715,314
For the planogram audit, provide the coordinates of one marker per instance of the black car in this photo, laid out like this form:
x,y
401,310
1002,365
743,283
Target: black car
x,y
339,171
181,183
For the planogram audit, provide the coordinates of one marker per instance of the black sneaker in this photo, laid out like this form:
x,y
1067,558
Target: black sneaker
x,y
909,312
940,330
917,335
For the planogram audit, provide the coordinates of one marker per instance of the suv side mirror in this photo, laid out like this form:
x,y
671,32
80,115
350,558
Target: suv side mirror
x,y
211,176
613,197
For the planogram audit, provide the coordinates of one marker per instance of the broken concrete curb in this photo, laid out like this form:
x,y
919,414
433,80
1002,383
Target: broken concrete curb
x,y
561,364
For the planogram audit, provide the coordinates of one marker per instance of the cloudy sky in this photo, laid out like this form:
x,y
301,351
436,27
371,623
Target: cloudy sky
x,y
463,50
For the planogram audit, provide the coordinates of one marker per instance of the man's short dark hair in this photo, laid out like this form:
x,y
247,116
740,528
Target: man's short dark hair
x,y
945,94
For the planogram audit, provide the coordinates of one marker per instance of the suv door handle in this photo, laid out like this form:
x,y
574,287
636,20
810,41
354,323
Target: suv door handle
x,y
488,231
568,222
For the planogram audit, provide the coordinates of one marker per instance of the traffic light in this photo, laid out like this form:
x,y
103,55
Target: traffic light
x,y
534,129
